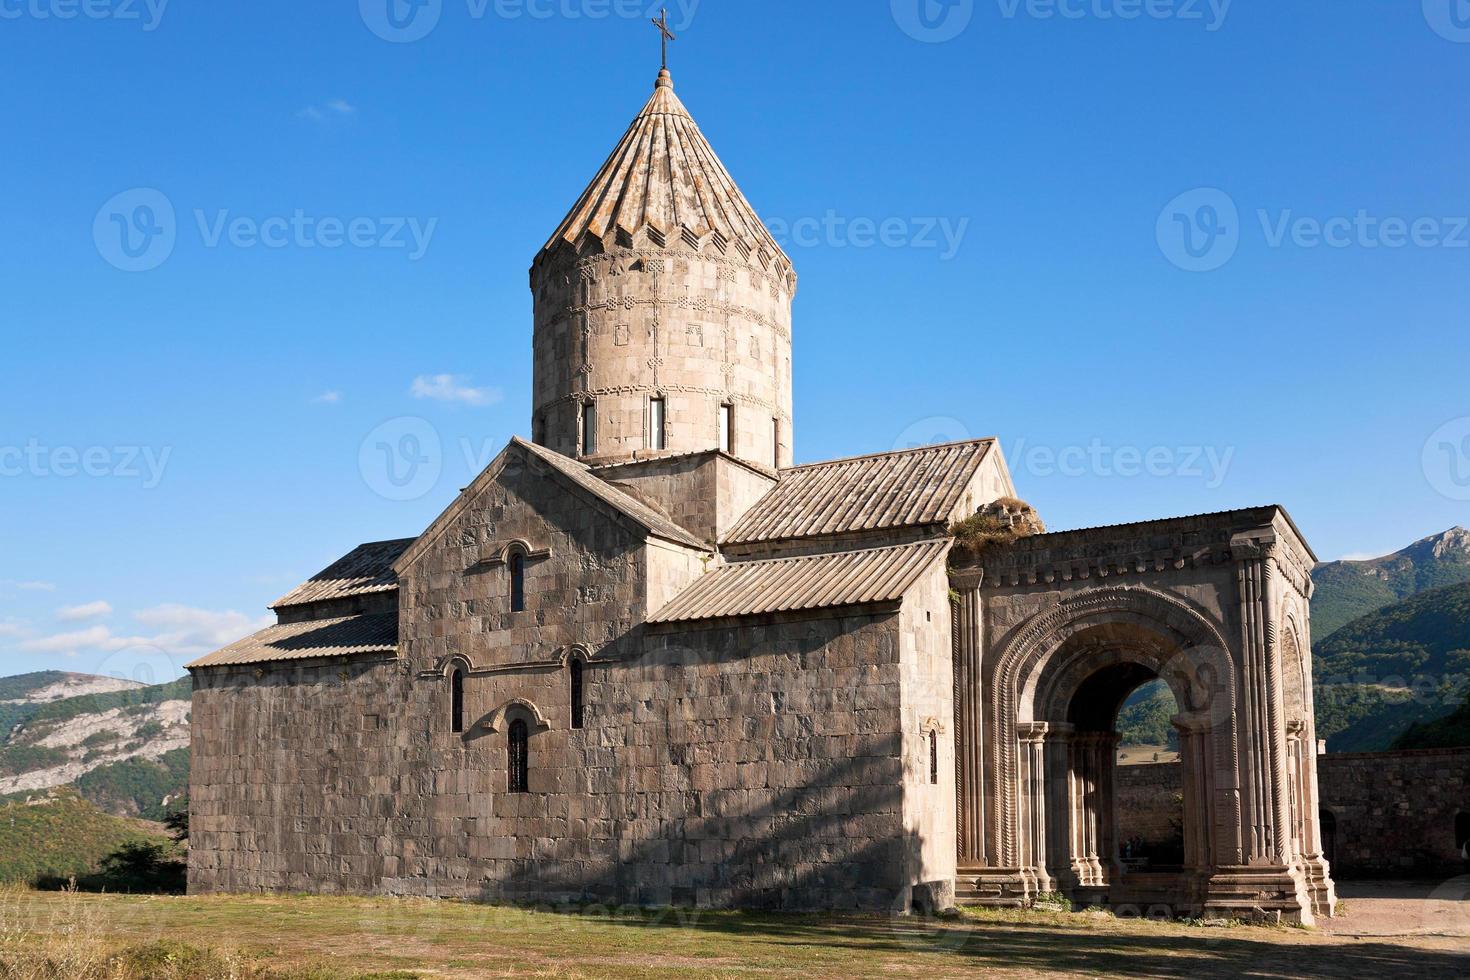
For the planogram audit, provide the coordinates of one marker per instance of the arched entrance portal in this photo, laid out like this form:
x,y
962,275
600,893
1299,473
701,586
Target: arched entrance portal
x,y
1075,697
1052,631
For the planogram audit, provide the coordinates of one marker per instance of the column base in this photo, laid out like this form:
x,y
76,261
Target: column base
x,y
1320,889
1271,894
996,887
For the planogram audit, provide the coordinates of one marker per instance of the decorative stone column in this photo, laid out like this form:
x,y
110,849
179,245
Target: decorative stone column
x,y
1033,738
970,761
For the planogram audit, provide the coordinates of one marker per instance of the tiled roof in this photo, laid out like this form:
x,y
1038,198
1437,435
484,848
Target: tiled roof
x,y
664,175
345,636
845,578
366,568
580,474
898,489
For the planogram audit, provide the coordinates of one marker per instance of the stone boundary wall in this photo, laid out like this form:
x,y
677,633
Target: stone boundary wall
x,y
1149,798
1392,814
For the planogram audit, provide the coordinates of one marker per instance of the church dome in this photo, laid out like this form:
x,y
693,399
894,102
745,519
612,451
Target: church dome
x,y
664,180
662,309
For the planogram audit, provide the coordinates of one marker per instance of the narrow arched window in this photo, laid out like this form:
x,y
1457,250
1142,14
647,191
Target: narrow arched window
x,y
933,757
1462,831
456,701
517,582
575,670
519,762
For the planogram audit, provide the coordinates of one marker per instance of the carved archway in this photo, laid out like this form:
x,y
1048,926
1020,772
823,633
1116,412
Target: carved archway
x,y
1051,801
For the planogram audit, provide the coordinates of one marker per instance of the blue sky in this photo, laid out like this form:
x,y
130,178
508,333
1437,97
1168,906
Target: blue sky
x,y
1179,256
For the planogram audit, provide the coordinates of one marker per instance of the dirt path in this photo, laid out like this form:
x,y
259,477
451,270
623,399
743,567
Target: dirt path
x,y
1402,908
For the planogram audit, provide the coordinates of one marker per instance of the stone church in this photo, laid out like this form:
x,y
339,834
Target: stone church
x,y
644,658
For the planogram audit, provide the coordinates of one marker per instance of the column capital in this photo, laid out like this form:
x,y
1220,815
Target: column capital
x,y
1032,731
966,579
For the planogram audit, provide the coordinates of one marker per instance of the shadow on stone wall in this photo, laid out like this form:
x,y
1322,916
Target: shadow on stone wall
x,y
807,860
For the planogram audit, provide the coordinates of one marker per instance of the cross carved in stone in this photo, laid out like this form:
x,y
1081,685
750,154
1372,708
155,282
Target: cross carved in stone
x,y
662,23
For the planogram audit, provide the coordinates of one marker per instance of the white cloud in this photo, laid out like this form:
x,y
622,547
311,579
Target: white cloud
x,y
91,637
11,627
327,398
185,629
452,388
87,610
331,108
174,629
1360,556
35,586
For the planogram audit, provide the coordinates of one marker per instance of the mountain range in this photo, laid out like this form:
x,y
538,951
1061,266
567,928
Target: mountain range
x,y
1391,648
124,746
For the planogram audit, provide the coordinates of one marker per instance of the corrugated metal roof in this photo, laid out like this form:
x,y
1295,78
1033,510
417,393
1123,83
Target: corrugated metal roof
x,y
845,578
897,489
341,637
366,568
579,473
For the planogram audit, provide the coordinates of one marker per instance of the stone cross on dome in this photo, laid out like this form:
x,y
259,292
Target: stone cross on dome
x,y
662,23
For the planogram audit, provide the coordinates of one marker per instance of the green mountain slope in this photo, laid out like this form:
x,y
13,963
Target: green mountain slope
x,y
1451,731
62,834
1406,663
1347,590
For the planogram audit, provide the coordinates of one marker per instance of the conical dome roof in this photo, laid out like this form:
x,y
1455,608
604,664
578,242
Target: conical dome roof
x,y
664,178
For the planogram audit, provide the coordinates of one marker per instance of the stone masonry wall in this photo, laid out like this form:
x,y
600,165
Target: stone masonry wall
x,y
698,328
754,762
1150,798
1393,812
296,778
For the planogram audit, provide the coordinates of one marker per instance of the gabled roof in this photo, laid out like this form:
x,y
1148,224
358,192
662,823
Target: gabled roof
x,y
342,637
572,474
365,569
826,581
581,475
863,493
664,175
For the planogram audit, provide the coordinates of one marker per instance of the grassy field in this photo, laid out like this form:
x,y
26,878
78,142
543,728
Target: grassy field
x,y
303,938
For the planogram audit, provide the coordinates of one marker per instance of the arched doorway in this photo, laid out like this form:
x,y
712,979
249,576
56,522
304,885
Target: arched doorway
x,y
1068,698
